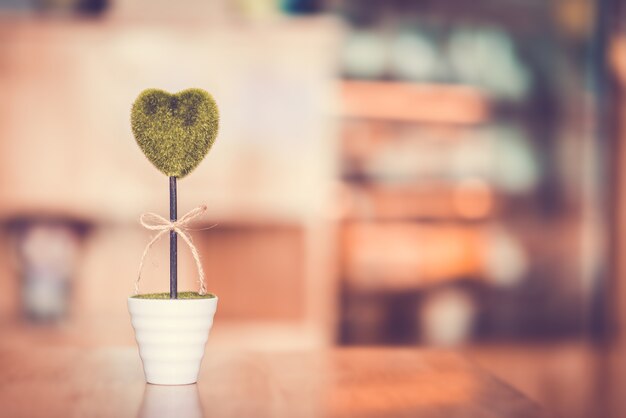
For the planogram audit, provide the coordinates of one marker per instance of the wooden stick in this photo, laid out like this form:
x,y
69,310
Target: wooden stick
x,y
173,243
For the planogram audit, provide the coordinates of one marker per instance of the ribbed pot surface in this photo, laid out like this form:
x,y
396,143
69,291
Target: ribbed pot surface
x,y
171,335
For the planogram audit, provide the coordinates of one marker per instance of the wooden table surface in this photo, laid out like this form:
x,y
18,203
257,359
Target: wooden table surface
x,y
108,382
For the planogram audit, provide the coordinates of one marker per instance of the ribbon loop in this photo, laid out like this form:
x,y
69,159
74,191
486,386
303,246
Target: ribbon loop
x,y
154,222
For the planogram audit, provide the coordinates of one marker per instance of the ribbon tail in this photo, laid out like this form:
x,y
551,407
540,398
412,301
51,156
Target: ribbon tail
x,y
196,256
143,257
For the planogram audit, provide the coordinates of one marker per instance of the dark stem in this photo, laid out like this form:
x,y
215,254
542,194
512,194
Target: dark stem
x,y
173,243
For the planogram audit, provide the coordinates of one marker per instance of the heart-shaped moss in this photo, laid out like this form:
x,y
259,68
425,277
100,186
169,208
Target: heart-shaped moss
x,y
175,131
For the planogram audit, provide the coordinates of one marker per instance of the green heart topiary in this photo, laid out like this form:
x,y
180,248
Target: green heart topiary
x,y
175,131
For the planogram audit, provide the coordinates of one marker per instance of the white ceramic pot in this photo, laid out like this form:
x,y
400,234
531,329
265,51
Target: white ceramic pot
x,y
171,334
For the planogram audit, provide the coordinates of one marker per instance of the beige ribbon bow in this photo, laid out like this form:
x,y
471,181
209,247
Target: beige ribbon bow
x,y
154,222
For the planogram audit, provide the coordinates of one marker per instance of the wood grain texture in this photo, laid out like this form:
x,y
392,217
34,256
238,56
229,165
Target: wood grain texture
x,y
73,382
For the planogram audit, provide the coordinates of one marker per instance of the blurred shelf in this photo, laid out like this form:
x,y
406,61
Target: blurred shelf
x,y
389,287
424,103
401,255
424,201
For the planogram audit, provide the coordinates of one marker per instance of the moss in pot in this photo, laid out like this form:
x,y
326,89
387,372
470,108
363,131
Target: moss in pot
x,y
175,132
181,295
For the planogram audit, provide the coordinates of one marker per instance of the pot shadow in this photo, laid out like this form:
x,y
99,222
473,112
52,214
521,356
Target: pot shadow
x,y
171,402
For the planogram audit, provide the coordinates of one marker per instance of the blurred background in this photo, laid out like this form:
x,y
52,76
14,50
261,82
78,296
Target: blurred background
x,y
389,173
